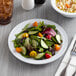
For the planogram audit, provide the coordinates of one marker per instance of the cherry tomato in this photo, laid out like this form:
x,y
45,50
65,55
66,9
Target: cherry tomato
x,y
47,55
25,35
33,53
57,47
18,49
40,34
35,24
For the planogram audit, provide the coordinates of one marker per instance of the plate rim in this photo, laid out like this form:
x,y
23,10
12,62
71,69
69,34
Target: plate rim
x,y
38,62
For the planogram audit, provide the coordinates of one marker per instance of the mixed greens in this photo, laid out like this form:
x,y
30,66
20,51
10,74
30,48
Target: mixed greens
x,y
41,41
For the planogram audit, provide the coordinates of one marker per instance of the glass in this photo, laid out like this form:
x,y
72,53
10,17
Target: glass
x,y
6,8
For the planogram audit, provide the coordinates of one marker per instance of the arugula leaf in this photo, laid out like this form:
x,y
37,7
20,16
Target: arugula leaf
x,y
34,29
48,52
39,27
42,38
42,23
54,39
31,29
18,34
49,43
35,38
26,26
17,43
52,26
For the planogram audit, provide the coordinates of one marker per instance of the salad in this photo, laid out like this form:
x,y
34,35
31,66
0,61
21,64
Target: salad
x,y
41,41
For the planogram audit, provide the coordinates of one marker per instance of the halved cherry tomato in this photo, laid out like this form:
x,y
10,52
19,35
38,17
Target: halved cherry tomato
x,y
33,53
40,34
18,49
57,47
35,24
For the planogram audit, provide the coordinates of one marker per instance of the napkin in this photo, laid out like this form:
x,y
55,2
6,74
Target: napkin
x,y
66,58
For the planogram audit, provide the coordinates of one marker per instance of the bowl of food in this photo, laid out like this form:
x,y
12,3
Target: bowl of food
x,y
37,41
66,8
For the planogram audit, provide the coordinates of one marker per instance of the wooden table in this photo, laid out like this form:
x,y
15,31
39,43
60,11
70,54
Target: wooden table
x,y
9,65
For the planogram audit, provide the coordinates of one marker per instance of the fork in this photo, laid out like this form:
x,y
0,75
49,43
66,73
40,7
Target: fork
x,y
72,64
62,68
74,49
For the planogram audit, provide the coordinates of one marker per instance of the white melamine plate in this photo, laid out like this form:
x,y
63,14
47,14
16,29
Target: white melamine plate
x,y
18,29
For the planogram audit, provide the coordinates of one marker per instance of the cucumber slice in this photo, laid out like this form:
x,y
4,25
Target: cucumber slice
x,y
58,38
43,44
40,56
27,42
23,50
34,43
32,32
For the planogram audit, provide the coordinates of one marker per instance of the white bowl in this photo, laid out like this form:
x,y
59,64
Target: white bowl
x,y
18,29
66,14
